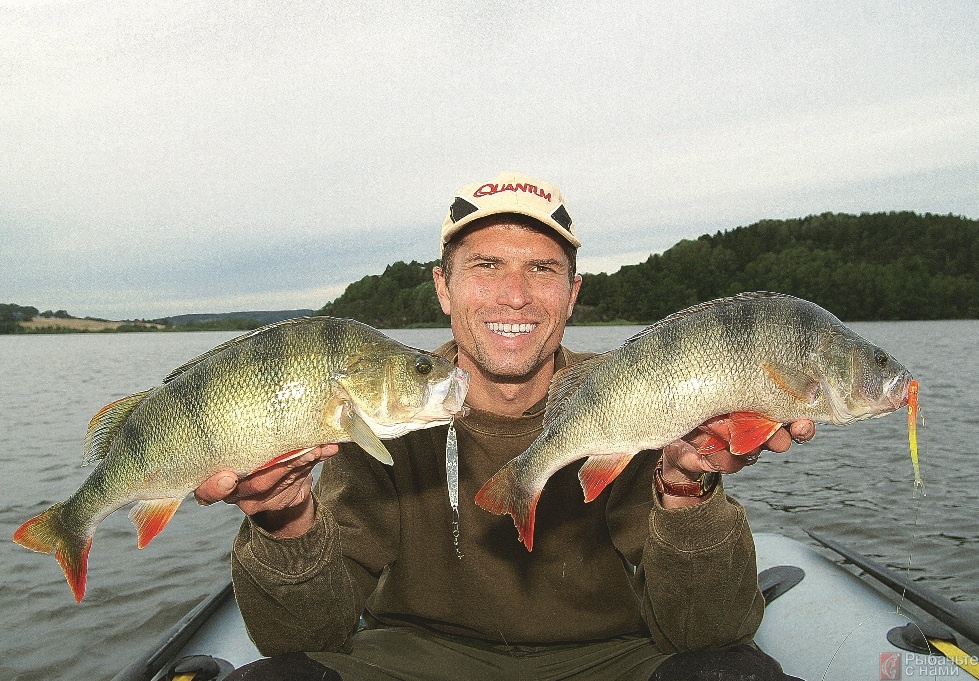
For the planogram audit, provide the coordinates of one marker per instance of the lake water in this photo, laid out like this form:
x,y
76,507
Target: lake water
x,y
851,483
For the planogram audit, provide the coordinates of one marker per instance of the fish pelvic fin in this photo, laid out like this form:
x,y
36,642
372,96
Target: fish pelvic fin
x,y
288,456
150,517
739,431
106,423
362,434
503,493
46,533
599,470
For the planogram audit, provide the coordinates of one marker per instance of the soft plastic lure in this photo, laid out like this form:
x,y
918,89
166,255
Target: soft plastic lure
x,y
919,485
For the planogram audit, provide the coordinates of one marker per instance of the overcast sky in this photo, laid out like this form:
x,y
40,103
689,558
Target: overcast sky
x,y
164,157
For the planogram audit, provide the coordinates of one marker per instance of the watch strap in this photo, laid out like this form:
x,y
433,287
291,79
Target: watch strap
x,y
700,487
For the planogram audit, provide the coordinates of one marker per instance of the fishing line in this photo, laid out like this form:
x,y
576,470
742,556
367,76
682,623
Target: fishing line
x,y
851,632
915,500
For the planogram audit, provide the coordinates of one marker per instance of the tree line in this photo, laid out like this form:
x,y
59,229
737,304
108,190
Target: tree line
x,y
868,267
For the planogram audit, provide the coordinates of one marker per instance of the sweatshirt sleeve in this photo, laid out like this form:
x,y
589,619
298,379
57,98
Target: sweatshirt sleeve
x,y
700,586
307,593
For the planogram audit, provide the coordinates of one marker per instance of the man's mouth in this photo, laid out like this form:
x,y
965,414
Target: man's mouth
x,y
510,330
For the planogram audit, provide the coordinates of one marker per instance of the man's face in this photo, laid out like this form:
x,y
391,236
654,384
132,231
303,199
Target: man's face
x,y
509,298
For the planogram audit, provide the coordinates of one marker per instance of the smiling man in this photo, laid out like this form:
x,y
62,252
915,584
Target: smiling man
x,y
647,581
512,290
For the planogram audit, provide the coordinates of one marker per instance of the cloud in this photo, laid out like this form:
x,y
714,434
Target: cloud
x,y
164,151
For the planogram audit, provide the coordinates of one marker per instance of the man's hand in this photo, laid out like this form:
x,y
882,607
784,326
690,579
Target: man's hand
x,y
683,463
278,498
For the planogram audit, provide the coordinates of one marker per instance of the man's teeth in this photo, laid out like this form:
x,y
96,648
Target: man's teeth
x,y
510,329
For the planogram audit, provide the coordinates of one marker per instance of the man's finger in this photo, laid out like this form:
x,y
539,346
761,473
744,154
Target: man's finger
x,y
802,431
216,488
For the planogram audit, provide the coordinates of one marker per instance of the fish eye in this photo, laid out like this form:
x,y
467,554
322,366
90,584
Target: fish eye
x,y
881,358
423,365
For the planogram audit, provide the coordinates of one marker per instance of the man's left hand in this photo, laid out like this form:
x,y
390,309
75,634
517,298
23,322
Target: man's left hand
x,y
682,462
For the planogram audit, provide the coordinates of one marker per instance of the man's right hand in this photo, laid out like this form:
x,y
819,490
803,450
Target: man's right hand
x,y
278,498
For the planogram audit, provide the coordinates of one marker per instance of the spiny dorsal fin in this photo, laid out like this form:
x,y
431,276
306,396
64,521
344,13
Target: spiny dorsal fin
x,y
106,423
231,343
700,307
565,384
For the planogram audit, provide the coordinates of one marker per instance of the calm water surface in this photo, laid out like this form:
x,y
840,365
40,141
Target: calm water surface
x,y
851,483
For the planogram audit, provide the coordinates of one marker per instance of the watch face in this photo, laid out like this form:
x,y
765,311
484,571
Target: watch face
x,y
708,481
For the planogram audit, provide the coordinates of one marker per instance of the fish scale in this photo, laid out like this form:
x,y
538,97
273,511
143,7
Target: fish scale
x,y
258,399
778,357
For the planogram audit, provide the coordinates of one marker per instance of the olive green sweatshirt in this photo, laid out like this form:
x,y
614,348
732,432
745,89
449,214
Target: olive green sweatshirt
x,y
383,547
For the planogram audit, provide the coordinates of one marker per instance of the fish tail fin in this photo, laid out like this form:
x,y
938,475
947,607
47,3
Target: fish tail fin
x,y
503,493
46,533
600,470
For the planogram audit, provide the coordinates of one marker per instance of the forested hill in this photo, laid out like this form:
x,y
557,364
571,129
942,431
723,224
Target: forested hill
x,y
865,267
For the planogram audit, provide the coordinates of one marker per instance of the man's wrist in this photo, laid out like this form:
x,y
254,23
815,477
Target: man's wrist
x,y
288,523
678,488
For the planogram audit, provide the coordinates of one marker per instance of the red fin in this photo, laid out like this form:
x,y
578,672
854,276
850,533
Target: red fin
x,y
750,431
294,454
599,470
75,566
46,533
713,443
151,516
503,494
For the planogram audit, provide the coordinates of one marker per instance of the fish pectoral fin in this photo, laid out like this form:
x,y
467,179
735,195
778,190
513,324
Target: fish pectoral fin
x,y
750,431
151,516
798,384
362,434
599,470
106,423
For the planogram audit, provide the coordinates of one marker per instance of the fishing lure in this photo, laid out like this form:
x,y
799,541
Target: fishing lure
x,y
919,485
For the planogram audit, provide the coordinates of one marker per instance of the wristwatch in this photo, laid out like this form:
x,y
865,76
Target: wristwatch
x,y
700,487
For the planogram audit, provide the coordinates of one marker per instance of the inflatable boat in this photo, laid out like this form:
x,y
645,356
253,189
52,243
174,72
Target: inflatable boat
x,y
822,622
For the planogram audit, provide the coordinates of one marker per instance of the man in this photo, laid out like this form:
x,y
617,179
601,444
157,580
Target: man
x,y
648,581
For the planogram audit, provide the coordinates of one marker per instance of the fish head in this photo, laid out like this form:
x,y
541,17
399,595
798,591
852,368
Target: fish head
x,y
401,390
861,380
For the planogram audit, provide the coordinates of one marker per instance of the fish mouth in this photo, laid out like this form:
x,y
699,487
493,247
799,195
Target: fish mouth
x,y
896,390
509,329
450,393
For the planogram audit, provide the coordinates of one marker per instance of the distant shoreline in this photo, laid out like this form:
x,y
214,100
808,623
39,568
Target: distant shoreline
x,y
73,325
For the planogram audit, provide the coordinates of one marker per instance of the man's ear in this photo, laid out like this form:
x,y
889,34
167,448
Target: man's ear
x,y
442,289
575,287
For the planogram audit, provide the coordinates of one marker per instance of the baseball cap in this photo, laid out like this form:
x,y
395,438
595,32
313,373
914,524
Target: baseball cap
x,y
509,192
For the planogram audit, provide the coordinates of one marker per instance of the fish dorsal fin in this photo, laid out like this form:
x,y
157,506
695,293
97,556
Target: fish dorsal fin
x,y
362,434
565,383
106,423
701,307
217,349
